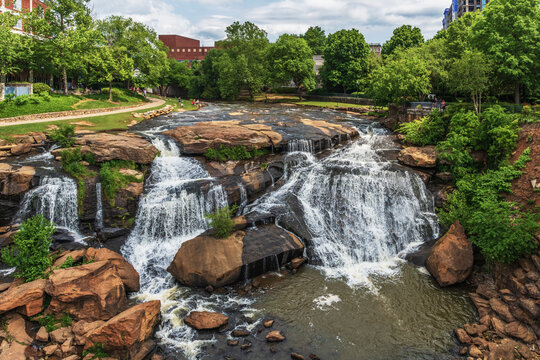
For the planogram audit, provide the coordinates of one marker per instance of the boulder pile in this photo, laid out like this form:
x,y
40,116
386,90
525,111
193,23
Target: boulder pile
x,y
82,309
21,144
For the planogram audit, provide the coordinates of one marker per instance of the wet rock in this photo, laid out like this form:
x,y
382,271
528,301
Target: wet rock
x,y
451,259
233,342
21,149
28,297
207,261
89,292
246,345
126,271
314,357
81,328
530,306
240,333
106,147
128,332
462,336
425,157
275,336
15,181
499,326
475,352
205,320
268,324
502,351
297,262
296,356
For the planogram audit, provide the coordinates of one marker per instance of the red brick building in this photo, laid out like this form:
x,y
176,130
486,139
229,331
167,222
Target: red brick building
x,y
19,6
183,48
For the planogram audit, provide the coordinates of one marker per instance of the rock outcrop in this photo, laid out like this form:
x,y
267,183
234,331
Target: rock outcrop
x,y
451,259
205,320
28,298
207,260
423,157
106,147
127,332
15,181
90,292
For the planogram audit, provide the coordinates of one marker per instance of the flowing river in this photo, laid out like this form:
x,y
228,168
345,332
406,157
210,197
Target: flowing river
x,y
359,213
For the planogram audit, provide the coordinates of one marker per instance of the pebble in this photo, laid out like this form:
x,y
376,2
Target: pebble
x,y
268,324
296,356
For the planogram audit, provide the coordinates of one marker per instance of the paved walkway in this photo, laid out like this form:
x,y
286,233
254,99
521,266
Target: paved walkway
x,y
152,104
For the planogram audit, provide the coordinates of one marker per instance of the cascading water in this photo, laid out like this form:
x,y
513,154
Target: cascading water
x,y
361,211
99,206
171,212
56,199
301,145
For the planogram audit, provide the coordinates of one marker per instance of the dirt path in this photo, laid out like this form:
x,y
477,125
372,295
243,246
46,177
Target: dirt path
x,y
152,104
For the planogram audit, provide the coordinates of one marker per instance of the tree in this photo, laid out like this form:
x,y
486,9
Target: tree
x,y
508,33
403,75
290,59
316,39
470,75
111,63
178,75
10,49
345,60
68,28
404,37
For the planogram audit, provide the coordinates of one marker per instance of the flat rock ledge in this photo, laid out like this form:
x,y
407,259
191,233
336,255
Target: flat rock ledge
x,y
198,138
207,260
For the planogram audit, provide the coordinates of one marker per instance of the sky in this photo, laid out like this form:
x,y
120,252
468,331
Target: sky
x,y
206,20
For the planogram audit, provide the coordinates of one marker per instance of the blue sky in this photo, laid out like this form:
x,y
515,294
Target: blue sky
x,y
207,19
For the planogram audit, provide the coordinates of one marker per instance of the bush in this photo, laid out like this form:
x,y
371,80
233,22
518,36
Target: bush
x,y
45,96
220,221
224,153
30,250
114,91
501,231
40,88
21,100
64,135
36,100
112,180
72,164
98,350
498,134
427,131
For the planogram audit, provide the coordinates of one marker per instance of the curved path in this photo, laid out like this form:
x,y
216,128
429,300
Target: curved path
x,y
152,104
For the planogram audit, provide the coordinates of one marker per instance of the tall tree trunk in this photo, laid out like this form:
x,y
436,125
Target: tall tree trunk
x,y
51,81
516,93
2,87
110,90
31,80
64,75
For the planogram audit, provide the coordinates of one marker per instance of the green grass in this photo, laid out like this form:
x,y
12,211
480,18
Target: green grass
x,y
58,103
102,122
332,105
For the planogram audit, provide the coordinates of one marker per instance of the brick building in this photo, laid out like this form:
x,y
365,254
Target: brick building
x,y
183,48
19,6
376,48
458,8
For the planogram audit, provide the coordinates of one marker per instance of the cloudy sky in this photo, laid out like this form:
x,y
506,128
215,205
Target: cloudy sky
x,y
207,19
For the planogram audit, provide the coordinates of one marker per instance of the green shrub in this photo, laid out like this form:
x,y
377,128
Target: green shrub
x,y
498,134
427,131
112,180
500,229
45,96
72,164
220,221
114,91
41,88
48,321
36,100
98,350
30,250
64,135
224,153
21,100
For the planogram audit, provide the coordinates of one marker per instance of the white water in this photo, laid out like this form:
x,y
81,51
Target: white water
x,y
99,206
171,212
56,199
361,212
301,145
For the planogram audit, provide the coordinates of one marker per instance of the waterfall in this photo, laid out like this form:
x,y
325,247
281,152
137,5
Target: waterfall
x,y
172,210
301,145
99,206
56,199
360,210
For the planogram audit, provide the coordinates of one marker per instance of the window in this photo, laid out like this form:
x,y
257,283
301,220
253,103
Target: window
x,y
17,5
188,50
19,25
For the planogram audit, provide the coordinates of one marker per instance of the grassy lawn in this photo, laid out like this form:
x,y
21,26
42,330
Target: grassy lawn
x,y
332,105
54,103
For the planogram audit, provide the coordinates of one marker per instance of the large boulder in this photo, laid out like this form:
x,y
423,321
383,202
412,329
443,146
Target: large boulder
x,y
106,147
198,138
207,260
19,345
125,334
451,259
424,157
205,320
28,297
89,292
15,181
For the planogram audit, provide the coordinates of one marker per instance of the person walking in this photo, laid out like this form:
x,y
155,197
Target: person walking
x,y
443,105
144,92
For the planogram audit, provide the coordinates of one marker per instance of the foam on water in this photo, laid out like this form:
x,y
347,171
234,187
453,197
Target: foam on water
x,y
326,302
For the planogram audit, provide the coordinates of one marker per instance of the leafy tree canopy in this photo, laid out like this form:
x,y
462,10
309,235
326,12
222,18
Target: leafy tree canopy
x,y
316,39
404,37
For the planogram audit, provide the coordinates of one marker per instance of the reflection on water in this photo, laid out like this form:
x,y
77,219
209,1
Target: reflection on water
x,y
408,318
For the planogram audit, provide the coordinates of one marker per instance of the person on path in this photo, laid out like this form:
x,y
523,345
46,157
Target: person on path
x,y
144,92
443,105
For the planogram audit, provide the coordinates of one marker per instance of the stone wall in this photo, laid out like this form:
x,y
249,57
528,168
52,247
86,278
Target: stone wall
x,y
340,99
